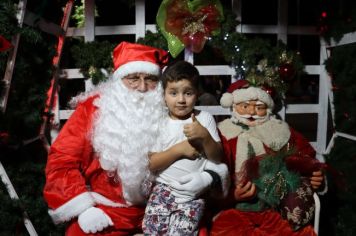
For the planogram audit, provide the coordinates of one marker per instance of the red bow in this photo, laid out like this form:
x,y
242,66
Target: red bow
x,y
191,28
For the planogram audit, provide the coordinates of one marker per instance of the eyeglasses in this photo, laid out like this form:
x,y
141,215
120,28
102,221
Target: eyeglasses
x,y
246,107
135,80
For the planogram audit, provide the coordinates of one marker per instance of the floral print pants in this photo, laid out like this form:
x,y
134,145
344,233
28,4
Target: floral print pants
x,y
164,216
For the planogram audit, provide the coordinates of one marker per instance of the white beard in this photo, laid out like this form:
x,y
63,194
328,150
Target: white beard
x,y
244,119
124,130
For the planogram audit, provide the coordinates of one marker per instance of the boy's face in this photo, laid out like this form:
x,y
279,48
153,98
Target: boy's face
x,y
180,97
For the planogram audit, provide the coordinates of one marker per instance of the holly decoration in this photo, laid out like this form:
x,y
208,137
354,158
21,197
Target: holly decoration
x,y
188,23
267,77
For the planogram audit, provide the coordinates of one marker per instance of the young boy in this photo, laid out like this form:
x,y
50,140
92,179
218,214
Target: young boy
x,y
188,142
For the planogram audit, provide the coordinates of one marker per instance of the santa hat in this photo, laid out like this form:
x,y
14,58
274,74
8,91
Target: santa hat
x,y
131,58
241,91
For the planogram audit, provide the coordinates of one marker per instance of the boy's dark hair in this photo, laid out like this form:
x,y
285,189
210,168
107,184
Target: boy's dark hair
x,y
181,70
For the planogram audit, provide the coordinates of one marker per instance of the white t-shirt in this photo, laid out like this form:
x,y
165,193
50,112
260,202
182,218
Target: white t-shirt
x,y
171,133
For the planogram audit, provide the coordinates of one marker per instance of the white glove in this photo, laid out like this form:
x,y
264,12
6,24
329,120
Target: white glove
x,y
190,186
223,172
93,220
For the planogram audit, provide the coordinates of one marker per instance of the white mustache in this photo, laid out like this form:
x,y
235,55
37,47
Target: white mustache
x,y
256,117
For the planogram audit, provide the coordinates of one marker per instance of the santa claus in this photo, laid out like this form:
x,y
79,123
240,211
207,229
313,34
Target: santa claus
x,y
272,166
97,170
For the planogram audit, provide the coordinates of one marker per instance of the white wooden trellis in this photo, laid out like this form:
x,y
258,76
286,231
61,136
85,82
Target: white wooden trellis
x,y
282,29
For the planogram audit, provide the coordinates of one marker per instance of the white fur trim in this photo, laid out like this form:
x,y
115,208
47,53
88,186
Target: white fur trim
x,y
100,199
252,93
137,67
242,150
222,171
229,129
273,133
72,208
226,100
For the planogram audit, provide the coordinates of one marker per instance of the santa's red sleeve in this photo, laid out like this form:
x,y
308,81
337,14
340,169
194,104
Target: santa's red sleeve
x,y
65,190
229,147
302,145
229,154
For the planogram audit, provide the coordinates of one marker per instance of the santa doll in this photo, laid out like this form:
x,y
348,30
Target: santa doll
x,y
272,166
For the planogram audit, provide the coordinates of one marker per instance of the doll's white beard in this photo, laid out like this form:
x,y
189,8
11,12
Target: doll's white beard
x,y
244,119
124,131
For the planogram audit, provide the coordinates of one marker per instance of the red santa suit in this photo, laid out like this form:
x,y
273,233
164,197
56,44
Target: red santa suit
x,y
100,156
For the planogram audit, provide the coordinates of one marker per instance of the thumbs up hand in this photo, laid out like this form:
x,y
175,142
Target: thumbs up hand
x,y
194,130
194,119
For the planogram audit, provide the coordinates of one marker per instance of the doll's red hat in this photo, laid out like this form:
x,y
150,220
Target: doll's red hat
x,y
131,58
241,91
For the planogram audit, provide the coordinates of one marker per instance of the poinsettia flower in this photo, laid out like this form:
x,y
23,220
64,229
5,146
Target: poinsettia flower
x,y
188,24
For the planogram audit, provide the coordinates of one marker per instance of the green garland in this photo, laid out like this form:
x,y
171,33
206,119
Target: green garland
x,y
337,18
8,28
344,87
91,57
236,49
341,198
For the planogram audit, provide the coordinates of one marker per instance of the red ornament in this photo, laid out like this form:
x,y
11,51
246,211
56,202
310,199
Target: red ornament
x,y
271,91
4,138
195,42
286,72
4,44
347,115
334,88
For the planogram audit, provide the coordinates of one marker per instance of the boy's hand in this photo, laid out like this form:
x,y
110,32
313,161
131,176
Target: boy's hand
x,y
244,192
316,180
195,130
187,150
